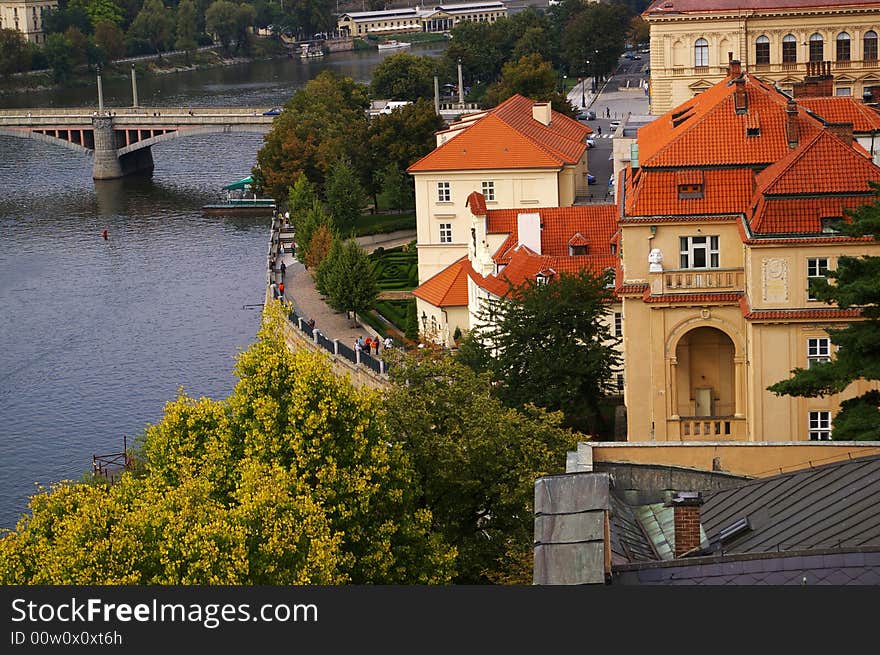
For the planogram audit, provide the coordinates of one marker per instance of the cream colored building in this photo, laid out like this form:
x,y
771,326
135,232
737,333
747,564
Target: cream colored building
x,y
729,207
441,18
691,41
521,154
26,16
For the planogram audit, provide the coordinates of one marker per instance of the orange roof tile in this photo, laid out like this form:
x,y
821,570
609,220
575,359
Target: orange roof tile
x,y
655,193
509,137
691,298
477,203
448,288
843,109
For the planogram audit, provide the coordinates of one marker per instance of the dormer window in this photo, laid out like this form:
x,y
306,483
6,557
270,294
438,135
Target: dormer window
x,y
831,224
753,131
689,183
540,278
578,245
690,191
574,251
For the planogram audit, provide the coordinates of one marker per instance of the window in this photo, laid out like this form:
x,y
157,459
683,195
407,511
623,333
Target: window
x,y
489,191
577,251
820,426
445,232
789,49
690,191
443,192
701,53
618,324
831,224
870,46
843,46
818,351
843,91
817,47
817,267
698,252
762,50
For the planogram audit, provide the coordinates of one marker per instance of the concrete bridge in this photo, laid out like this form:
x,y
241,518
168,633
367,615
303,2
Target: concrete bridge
x,y
120,139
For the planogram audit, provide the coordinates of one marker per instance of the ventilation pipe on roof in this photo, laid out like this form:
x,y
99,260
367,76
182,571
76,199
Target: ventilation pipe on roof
x,y
792,131
740,99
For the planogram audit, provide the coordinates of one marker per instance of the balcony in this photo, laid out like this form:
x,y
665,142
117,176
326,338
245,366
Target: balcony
x,y
689,280
706,428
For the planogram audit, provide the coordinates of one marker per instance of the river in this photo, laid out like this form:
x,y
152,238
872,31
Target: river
x,y
96,335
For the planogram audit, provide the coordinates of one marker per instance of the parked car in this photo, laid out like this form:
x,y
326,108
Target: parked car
x,y
614,125
591,179
589,115
637,57
591,143
273,112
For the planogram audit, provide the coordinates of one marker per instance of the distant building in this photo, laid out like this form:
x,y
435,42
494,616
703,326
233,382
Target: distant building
x,y
691,39
26,16
441,18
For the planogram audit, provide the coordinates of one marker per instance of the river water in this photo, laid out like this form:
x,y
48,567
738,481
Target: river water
x,y
96,335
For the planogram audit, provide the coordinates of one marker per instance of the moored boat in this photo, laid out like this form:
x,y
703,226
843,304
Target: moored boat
x,y
393,45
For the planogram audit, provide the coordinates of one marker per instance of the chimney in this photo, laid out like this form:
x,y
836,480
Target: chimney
x,y
528,229
843,131
740,99
686,519
541,112
791,124
818,82
734,66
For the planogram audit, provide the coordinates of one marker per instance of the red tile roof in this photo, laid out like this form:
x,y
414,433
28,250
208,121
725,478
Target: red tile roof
x,y
655,193
842,109
477,203
660,7
509,137
448,288
694,298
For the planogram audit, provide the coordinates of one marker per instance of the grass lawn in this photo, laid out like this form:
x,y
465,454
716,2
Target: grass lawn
x,y
384,223
396,269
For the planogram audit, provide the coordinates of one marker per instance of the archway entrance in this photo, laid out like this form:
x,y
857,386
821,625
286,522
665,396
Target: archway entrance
x,y
705,374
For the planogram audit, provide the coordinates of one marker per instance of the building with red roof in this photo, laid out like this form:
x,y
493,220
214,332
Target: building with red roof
x,y
521,154
732,201
775,39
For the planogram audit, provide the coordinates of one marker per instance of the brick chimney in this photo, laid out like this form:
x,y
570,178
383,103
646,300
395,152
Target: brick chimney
x,y
686,509
791,124
818,82
841,130
734,66
740,99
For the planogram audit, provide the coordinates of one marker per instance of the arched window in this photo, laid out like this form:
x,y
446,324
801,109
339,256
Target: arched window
x,y
817,47
762,50
789,49
870,53
701,53
843,47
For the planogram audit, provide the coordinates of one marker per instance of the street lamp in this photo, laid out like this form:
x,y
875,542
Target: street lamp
x,y
595,67
584,83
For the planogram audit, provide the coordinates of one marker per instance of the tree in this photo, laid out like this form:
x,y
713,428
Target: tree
x,y
155,25
57,51
99,11
476,462
306,224
57,20
349,279
855,284
319,247
245,17
221,19
345,196
550,345
532,77
312,16
397,187
404,77
301,196
110,39
292,480
15,56
186,28
323,122
597,34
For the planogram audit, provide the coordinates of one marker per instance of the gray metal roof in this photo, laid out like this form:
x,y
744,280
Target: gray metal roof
x,y
830,506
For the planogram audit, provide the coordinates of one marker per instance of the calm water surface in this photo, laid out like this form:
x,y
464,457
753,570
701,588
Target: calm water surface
x,y
95,335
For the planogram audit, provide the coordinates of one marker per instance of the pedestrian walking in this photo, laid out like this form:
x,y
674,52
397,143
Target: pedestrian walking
x,y
274,288
368,344
376,346
281,290
600,133
283,269
607,112
357,345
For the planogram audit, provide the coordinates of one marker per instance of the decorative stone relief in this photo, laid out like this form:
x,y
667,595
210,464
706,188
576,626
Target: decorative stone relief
x,y
775,279
655,261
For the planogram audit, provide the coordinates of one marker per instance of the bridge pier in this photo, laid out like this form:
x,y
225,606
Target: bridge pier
x,y
108,164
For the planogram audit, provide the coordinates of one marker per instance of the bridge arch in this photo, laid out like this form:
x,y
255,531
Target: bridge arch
x,y
192,131
36,136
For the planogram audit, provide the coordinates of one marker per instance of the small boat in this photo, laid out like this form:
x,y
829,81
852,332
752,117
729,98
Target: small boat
x,y
393,45
309,52
245,203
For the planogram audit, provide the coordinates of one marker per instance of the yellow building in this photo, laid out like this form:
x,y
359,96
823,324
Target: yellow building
x,y
521,154
26,16
691,39
730,204
441,18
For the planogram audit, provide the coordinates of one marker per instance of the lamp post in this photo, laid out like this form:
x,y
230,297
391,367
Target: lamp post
x,y
595,67
584,84
100,89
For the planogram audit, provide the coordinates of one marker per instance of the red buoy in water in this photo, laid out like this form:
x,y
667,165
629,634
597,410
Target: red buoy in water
x,y
104,234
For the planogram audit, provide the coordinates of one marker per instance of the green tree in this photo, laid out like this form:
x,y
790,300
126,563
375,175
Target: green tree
x,y
532,77
551,345
58,19
404,77
110,39
312,16
99,11
323,122
411,325
292,480
154,25
597,35
306,224
245,17
397,187
345,196
348,279
186,28
476,462
57,51
15,56
221,19
301,196
855,284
